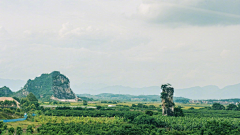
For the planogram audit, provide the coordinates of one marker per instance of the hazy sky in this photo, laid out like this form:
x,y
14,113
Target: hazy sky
x,y
133,43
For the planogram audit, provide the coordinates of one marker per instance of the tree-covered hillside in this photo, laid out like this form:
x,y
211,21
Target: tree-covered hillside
x,y
5,92
47,85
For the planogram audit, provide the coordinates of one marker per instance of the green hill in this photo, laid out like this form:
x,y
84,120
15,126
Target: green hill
x,y
46,86
5,92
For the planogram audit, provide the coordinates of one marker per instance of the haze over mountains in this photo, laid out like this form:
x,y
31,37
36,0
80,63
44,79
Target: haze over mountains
x,y
206,92
14,85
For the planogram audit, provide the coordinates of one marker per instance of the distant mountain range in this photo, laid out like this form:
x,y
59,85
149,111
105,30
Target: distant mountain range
x,y
14,85
206,92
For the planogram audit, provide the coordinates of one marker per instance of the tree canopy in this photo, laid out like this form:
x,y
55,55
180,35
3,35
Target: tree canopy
x,y
31,97
218,106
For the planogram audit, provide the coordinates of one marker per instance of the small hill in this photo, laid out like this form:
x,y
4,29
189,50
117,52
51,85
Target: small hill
x,y
5,92
14,85
55,85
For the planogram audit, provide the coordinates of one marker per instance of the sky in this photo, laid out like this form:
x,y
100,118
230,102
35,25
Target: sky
x,y
136,43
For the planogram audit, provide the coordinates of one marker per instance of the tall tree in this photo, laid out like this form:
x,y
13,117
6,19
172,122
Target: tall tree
x,y
218,106
31,97
167,100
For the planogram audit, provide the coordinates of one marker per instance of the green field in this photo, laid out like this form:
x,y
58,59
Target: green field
x,y
142,118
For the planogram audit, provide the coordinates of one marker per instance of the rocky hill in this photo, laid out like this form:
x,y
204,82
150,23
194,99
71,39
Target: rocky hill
x,y
5,92
53,85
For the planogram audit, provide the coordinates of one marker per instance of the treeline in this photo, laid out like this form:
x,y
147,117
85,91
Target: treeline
x,y
126,97
218,106
8,103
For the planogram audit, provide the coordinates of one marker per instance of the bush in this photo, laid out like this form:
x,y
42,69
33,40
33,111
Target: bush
x,y
11,130
148,112
130,116
99,107
218,106
29,129
178,112
151,106
192,108
145,119
19,131
85,102
232,107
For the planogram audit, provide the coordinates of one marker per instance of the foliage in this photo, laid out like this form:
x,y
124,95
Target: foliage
x,y
30,103
146,119
148,112
167,99
218,106
199,113
192,108
91,113
1,127
7,103
106,129
232,107
99,107
31,97
5,92
17,99
19,131
39,86
85,102
11,131
182,100
178,112
30,129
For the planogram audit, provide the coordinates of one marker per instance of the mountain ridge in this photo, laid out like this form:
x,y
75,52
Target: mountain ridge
x,y
197,92
46,86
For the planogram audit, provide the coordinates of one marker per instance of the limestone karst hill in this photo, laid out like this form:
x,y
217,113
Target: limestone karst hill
x,y
5,92
46,86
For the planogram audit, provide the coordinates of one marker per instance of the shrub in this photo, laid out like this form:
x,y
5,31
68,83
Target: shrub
x,y
11,130
218,106
29,129
99,107
178,112
148,112
145,119
85,102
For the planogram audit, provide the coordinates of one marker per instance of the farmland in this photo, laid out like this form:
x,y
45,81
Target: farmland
x,y
127,118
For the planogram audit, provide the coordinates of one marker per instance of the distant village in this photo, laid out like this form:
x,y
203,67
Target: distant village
x,y
223,101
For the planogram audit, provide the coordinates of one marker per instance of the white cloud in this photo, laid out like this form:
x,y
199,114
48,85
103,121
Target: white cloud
x,y
105,44
3,33
190,12
225,53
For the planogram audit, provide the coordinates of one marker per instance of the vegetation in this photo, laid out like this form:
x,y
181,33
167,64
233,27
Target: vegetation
x,y
126,118
29,103
167,99
7,103
39,86
5,92
109,97
218,106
